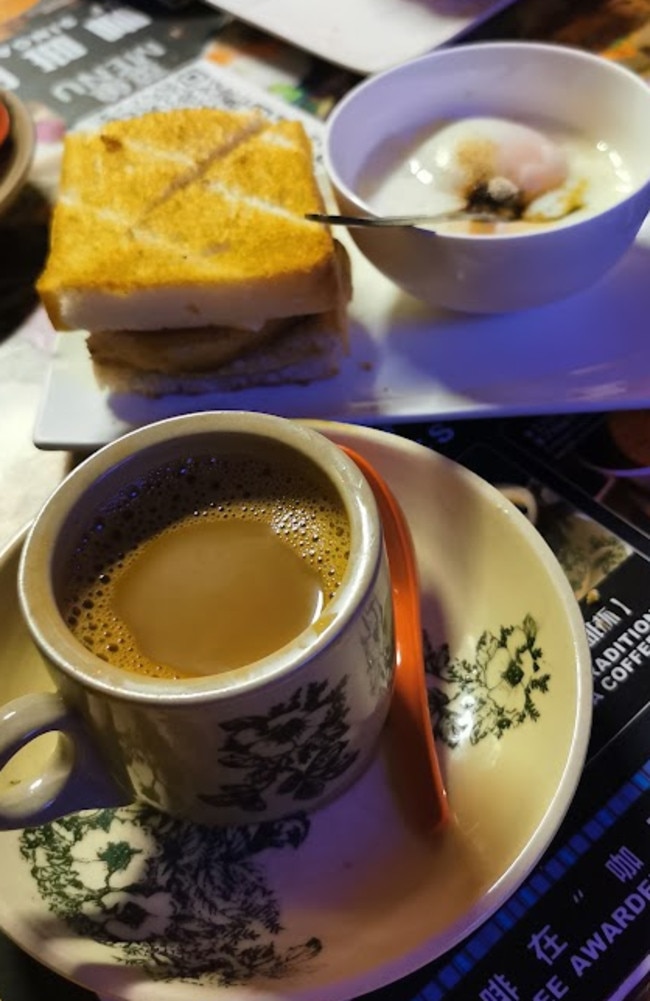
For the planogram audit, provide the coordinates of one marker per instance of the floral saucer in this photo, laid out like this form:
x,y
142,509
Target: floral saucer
x,y
137,906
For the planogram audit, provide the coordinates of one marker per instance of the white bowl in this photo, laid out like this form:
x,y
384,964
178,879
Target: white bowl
x,y
526,82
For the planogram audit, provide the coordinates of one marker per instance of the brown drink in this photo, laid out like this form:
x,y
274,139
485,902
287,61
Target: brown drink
x,y
207,565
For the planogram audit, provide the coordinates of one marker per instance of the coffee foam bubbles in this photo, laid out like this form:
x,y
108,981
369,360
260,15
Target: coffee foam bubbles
x,y
296,501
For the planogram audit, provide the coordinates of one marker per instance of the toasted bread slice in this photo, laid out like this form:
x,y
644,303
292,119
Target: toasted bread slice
x,y
143,240
168,352
191,362
111,179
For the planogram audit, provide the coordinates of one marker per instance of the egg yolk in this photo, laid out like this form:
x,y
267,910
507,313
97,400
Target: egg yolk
x,y
473,151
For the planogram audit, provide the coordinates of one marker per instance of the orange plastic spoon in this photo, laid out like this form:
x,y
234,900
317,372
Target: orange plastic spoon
x,y
409,717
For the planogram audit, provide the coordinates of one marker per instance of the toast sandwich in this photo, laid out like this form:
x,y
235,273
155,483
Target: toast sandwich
x,y
179,242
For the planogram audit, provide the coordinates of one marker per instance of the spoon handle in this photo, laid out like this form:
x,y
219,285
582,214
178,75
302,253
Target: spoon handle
x,y
354,221
409,719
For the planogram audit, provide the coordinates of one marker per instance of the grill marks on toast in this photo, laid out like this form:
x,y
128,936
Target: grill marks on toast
x,y
229,142
161,156
224,192
248,208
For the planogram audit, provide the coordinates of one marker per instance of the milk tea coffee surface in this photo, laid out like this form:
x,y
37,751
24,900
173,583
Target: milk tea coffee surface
x,y
207,565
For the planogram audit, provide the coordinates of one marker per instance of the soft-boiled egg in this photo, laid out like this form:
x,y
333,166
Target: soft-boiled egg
x,y
522,175
471,152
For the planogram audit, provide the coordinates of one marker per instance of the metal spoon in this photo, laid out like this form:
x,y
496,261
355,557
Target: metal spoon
x,y
354,221
409,717
495,199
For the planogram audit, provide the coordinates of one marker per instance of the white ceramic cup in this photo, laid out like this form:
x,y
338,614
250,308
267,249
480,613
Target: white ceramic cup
x,y
285,734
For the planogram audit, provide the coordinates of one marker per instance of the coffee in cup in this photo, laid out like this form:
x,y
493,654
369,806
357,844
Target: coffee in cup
x,y
207,564
155,582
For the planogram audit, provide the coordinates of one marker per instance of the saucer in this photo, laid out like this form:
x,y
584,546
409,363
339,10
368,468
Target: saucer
x,y
134,905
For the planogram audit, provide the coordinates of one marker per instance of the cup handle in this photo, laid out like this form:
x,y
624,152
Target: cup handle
x,y
522,498
74,778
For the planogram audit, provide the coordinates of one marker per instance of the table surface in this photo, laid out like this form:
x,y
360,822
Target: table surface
x,y
28,475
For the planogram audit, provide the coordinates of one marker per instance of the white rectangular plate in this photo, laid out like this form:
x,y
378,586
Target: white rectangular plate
x,y
407,361
364,35
411,362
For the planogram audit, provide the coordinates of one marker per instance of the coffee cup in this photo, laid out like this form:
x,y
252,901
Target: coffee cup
x,y
211,597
